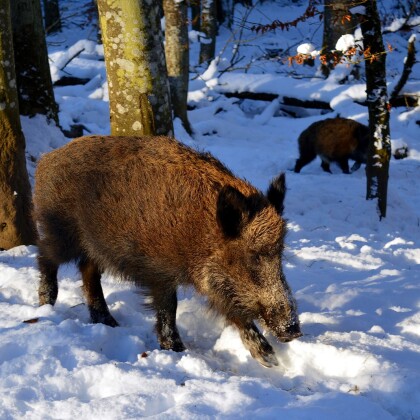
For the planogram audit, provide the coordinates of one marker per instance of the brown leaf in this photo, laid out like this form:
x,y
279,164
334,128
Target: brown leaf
x,y
344,18
31,321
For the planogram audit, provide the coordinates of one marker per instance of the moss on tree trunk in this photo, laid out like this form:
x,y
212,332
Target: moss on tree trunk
x,y
16,226
136,69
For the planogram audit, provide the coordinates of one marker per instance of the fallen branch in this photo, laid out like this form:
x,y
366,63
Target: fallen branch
x,y
408,100
409,62
285,100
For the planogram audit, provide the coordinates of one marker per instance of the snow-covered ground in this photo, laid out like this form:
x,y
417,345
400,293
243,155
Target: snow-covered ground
x,y
356,279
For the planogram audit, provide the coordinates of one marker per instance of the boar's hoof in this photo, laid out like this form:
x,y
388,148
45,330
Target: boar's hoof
x,y
258,346
266,359
176,345
103,318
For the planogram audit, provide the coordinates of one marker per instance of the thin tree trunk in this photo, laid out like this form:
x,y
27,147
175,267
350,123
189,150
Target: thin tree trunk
x,y
16,226
195,14
226,9
177,57
35,90
379,154
136,68
209,28
52,16
336,24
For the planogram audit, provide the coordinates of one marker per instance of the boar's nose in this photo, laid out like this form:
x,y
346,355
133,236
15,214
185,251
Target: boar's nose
x,y
292,332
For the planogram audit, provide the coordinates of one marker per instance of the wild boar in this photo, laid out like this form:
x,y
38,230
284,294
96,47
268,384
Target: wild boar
x,y
161,215
334,140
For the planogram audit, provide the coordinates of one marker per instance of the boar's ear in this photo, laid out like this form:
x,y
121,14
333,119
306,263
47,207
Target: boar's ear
x,y
232,211
276,193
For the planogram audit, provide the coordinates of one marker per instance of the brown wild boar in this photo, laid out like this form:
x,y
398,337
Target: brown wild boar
x,y
334,140
162,215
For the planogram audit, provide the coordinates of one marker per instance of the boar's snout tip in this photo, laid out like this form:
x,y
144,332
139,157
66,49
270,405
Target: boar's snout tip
x,y
288,338
291,333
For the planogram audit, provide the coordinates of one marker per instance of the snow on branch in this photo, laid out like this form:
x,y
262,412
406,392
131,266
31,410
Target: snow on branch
x,y
310,12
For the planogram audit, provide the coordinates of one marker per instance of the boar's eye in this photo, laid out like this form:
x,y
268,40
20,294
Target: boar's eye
x,y
259,258
267,253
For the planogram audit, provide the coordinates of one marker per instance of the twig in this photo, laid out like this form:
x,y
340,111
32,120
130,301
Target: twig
x,y
405,24
71,59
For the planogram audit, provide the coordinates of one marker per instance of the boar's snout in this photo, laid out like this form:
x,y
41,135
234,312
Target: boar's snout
x,y
284,326
292,331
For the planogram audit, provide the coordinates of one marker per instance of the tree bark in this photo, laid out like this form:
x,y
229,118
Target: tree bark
x,y
16,226
177,57
379,154
195,14
136,68
209,28
35,90
52,16
335,25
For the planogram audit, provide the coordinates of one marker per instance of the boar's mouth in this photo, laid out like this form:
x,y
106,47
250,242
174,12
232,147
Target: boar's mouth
x,y
283,333
285,337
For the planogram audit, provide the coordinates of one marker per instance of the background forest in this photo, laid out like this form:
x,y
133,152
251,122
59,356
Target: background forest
x,y
249,91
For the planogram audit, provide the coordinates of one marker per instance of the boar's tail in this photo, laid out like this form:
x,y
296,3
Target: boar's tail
x,y
276,193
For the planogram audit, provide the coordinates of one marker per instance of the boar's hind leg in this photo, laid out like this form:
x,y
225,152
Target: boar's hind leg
x,y
325,166
165,303
98,308
48,287
257,345
303,161
344,165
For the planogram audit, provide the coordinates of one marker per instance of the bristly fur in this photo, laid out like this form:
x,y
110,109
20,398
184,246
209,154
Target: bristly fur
x,y
277,192
162,215
334,140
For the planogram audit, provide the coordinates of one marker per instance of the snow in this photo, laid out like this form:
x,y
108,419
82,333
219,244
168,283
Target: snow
x,y
356,279
345,42
307,49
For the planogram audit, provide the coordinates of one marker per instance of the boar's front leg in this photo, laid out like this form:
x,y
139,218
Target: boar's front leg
x,y
48,287
165,303
257,345
98,308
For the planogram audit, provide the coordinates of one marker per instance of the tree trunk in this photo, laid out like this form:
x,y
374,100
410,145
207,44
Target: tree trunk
x,y
335,25
379,153
52,16
136,69
35,90
16,226
195,14
177,57
209,28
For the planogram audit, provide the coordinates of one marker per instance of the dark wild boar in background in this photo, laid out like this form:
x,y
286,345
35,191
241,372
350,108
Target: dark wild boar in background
x,y
162,215
334,140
